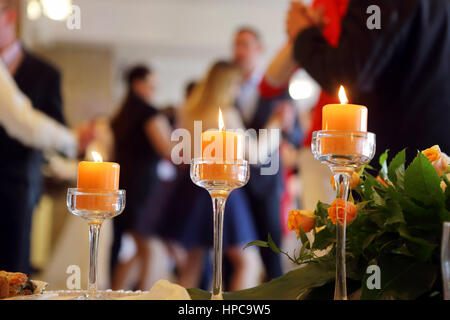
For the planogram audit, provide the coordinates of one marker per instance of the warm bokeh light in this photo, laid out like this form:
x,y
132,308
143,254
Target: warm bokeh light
x,y
34,10
221,124
96,156
342,95
301,89
57,9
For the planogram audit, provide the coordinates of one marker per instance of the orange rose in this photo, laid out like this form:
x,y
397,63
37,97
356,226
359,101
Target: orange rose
x,y
339,204
301,218
437,159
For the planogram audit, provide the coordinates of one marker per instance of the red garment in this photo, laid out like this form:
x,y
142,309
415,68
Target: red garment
x,y
334,11
286,202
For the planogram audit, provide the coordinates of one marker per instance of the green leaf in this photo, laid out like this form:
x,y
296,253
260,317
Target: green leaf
x,y
290,286
402,278
258,243
421,248
361,205
369,240
368,187
400,177
321,210
395,214
304,239
422,182
396,163
324,238
377,199
383,164
272,244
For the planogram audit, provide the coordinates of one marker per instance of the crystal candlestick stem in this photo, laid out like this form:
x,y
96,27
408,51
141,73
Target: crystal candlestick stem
x,y
343,152
219,178
95,206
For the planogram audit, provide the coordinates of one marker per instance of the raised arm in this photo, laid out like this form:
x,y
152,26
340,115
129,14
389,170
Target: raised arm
x,y
362,53
28,125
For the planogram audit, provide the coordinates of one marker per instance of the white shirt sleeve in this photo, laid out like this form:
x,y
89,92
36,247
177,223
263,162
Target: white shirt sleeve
x,y
28,125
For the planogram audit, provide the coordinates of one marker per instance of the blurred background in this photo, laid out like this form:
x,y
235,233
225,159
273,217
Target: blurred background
x,y
179,39
117,77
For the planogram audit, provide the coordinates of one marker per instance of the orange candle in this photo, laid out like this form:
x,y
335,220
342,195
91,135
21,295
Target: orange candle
x,y
97,176
343,117
223,148
223,145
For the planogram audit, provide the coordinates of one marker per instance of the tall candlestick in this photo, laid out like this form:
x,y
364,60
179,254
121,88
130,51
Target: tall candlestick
x,y
220,170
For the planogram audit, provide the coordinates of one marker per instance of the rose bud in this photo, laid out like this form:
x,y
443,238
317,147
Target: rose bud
x,y
301,218
339,204
437,159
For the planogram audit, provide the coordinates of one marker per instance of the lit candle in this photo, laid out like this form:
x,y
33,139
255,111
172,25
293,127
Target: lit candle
x,y
100,177
223,148
343,117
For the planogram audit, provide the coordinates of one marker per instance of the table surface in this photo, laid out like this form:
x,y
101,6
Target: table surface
x,y
72,294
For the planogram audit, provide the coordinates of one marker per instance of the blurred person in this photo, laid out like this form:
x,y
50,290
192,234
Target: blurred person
x,y
191,219
313,174
189,88
30,126
142,137
400,71
170,112
257,104
20,170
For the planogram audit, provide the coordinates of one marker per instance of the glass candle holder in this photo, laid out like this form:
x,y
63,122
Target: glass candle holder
x,y
219,178
343,152
95,206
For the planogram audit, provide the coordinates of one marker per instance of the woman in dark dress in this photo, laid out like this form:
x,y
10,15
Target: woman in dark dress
x,y
142,137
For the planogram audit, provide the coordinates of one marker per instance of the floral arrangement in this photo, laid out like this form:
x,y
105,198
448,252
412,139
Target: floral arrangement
x,y
394,221
396,224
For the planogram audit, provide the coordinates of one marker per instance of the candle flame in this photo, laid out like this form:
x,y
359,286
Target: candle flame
x,y
96,156
342,95
221,124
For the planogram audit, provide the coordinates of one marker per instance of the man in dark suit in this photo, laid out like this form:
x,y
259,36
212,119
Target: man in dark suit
x,y
20,175
257,106
399,68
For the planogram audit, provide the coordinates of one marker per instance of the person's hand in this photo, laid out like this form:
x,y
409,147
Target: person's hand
x,y
85,134
317,15
297,20
301,17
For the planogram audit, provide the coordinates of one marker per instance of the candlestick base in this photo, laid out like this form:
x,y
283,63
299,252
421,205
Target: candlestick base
x,y
219,178
343,152
95,206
